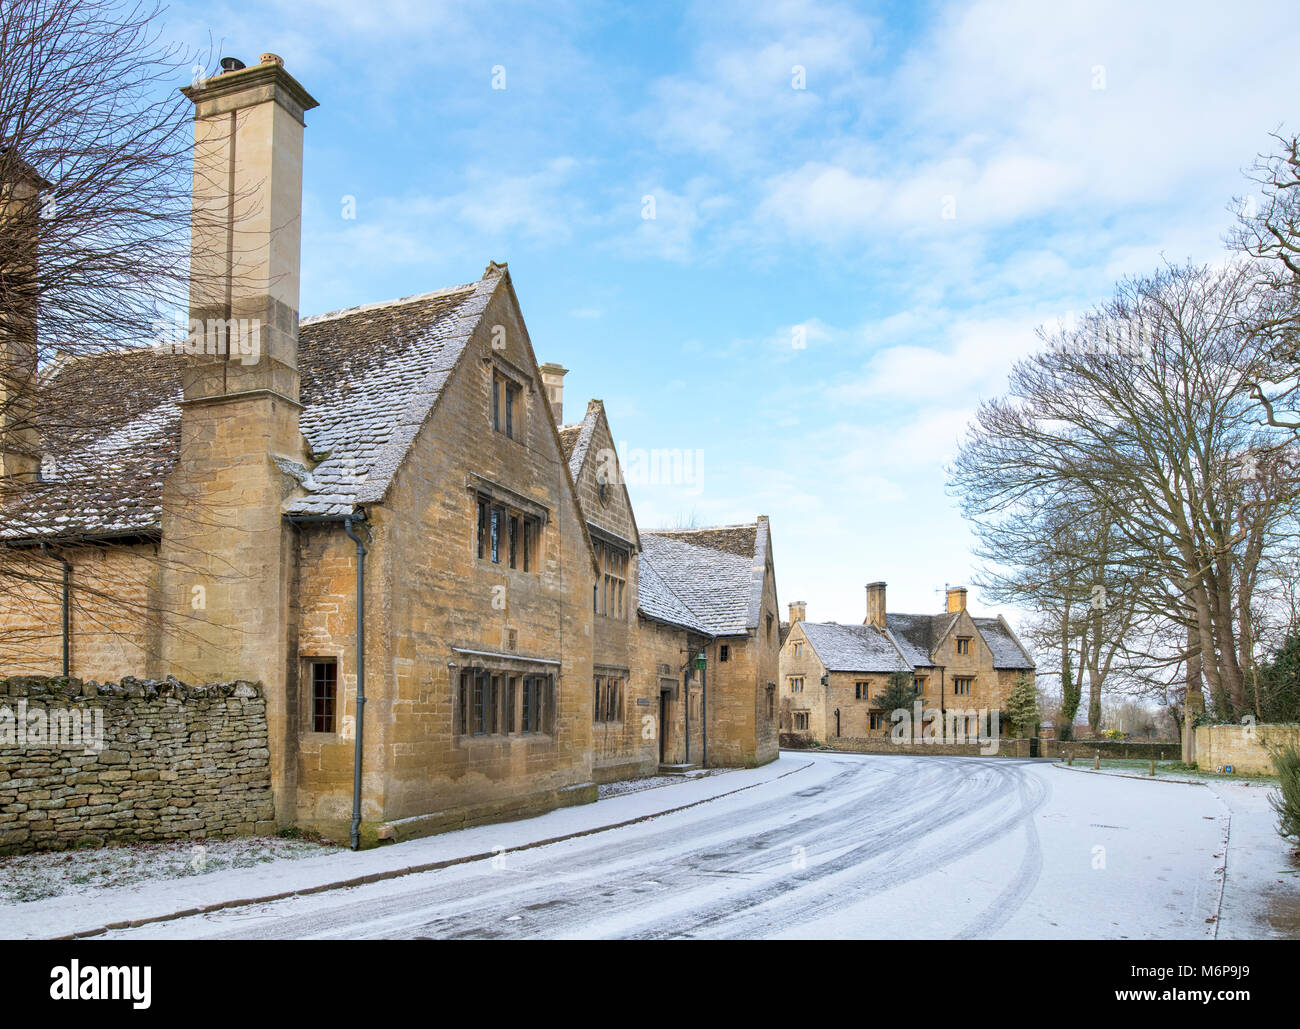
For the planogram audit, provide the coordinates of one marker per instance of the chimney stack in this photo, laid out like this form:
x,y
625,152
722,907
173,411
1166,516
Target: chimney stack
x,y
956,599
798,612
20,188
553,379
224,536
875,605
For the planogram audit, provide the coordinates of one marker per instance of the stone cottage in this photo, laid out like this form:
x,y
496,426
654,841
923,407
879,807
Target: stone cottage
x,y
832,673
377,515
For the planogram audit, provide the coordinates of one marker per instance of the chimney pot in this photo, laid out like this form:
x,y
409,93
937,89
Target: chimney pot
x,y
229,64
273,59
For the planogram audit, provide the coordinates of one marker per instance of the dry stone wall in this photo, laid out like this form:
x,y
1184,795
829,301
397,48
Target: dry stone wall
x,y
85,763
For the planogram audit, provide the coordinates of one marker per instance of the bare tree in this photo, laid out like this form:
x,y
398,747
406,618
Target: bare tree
x,y
1146,411
95,259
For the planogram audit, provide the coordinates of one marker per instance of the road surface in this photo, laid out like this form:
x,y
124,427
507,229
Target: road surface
x,y
851,846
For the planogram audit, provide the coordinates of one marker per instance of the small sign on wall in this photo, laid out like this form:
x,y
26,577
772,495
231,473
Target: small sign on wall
x,y
642,701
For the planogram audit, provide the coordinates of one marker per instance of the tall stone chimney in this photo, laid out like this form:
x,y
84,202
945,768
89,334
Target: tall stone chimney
x,y
875,605
553,379
20,188
226,551
798,611
956,599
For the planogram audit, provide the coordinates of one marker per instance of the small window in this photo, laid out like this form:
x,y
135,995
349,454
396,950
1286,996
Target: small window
x,y
771,701
324,695
769,628
512,396
724,652
482,526
798,650
961,686
861,690
963,644
505,406
498,528
796,684
877,719
801,719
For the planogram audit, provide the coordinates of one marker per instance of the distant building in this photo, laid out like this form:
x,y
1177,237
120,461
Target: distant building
x,y
832,673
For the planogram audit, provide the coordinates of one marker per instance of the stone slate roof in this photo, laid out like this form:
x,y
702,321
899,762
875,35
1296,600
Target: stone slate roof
x,y
369,378
575,440
1007,651
854,648
907,642
715,575
918,635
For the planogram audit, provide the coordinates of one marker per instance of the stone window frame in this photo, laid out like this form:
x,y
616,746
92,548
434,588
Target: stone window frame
x,y
795,683
862,689
724,652
609,599
610,697
519,676
963,645
962,685
797,717
516,542
307,677
507,419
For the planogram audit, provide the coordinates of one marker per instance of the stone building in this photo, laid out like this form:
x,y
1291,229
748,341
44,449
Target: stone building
x,y
376,514
700,594
831,673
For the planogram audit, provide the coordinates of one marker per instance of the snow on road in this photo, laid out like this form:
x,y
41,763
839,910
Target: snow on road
x,y
853,846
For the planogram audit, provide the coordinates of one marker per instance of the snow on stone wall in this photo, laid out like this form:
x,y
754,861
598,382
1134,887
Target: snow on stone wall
x,y
83,763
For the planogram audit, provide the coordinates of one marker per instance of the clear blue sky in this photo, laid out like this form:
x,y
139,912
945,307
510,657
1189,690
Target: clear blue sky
x,y
1074,143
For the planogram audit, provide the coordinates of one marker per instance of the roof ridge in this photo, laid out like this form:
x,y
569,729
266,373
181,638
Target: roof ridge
x,y
377,305
707,528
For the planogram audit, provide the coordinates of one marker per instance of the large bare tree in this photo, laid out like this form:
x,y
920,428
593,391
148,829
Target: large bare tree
x,y
1145,410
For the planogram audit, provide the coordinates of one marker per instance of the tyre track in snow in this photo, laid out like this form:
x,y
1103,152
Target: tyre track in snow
x,y
880,817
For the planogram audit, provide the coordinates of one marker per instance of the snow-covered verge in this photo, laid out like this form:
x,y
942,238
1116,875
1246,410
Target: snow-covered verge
x,y
25,878
622,786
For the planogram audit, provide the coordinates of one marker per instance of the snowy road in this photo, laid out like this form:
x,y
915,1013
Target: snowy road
x,y
853,846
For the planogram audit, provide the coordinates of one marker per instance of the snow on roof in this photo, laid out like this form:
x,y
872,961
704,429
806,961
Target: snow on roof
x,y
716,574
854,648
369,376
575,439
1007,651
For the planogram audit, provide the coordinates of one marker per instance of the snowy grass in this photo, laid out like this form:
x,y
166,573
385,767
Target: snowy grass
x,y
1170,770
30,877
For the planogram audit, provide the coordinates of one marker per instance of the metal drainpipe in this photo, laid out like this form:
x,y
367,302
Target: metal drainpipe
x,y
704,714
67,613
361,681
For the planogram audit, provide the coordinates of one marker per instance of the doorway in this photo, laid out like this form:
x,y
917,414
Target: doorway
x,y
663,723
